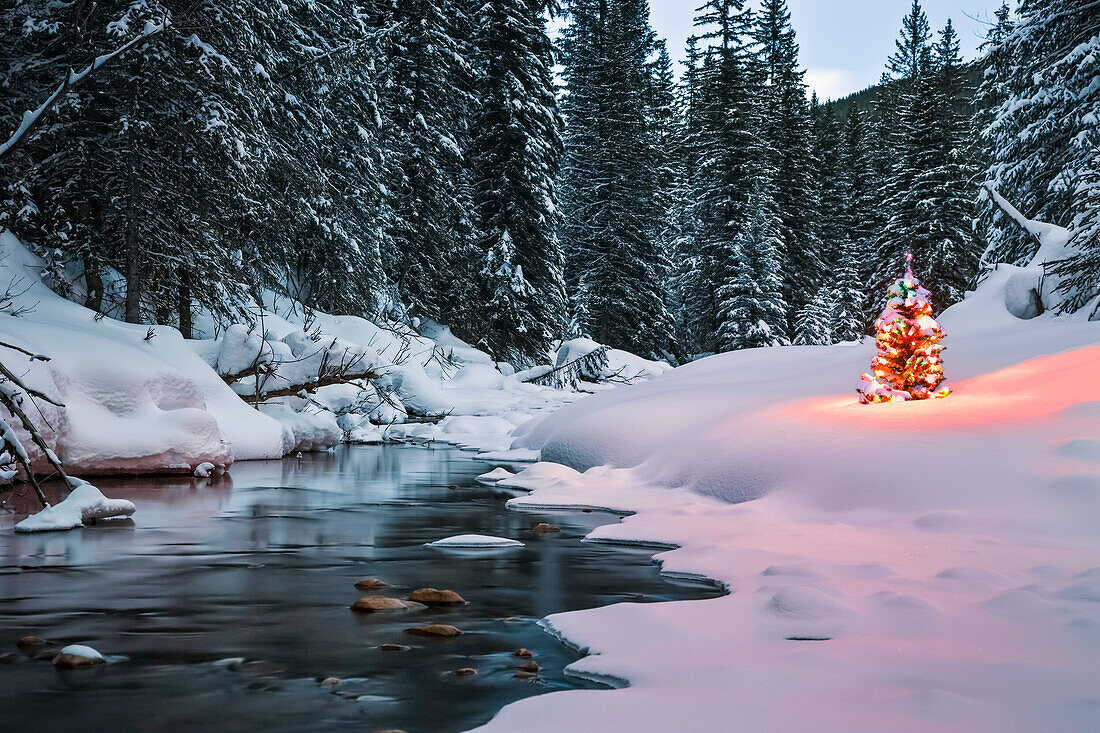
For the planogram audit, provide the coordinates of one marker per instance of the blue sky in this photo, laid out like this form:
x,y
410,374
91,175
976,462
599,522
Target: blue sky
x,y
844,43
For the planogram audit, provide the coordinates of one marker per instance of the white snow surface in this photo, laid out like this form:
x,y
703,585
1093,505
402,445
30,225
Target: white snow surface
x,y
134,404
84,504
909,567
475,541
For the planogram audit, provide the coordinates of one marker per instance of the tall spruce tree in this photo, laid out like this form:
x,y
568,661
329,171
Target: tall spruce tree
x,y
788,127
610,181
730,185
753,312
427,102
516,153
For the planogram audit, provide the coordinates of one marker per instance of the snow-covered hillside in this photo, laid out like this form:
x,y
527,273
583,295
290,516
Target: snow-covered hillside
x,y
916,566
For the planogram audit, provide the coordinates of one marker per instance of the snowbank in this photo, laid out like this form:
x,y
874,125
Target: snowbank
x,y
133,403
924,566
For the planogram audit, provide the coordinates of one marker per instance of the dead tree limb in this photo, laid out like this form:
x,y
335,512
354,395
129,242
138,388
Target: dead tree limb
x,y
12,401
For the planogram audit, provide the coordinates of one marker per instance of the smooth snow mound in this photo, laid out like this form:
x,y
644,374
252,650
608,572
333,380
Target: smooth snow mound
x,y
84,504
475,541
497,474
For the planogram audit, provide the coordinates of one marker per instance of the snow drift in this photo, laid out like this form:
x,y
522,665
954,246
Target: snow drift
x,y
133,403
920,566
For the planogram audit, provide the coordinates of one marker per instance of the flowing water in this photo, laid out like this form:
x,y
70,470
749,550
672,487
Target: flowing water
x,y
225,603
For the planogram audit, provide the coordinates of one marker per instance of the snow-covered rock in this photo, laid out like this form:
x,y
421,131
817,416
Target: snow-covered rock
x,y
84,504
77,656
475,541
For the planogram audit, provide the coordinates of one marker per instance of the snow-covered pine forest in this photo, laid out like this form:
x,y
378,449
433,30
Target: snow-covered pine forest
x,y
410,160
308,285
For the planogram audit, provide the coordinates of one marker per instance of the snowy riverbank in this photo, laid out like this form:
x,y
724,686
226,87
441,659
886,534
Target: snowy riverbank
x,y
925,566
134,399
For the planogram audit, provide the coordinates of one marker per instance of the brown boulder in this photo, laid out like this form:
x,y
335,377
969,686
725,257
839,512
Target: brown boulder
x,y
523,653
465,671
433,597
531,666
434,630
544,528
393,647
370,584
331,682
371,604
30,642
525,675
75,661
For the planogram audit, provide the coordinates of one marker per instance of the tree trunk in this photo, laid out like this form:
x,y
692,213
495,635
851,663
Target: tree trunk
x,y
133,272
186,322
94,283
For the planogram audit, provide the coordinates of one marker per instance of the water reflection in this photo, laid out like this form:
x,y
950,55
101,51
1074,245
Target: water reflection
x,y
261,566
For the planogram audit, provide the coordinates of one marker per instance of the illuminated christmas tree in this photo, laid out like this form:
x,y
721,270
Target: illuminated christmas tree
x,y
908,365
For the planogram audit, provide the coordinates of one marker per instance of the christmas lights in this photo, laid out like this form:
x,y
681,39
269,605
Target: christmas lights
x,y
908,364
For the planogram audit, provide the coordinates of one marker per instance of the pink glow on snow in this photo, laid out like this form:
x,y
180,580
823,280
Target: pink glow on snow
x,y
1024,392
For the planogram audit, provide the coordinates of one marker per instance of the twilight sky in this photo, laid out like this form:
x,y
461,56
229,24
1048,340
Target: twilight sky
x,y
844,43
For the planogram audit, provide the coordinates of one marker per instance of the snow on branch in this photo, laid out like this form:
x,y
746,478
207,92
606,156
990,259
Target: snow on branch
x,y
1033,229
33,119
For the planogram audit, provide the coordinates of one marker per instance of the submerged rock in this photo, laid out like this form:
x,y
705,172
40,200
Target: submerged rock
x,y
393,647
371,604
522,674
31,642
544,528
433,597
434,630
331,682
465,672
531,666
523,653
370,584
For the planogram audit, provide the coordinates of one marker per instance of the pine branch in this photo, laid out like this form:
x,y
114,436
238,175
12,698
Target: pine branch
x,y
33,119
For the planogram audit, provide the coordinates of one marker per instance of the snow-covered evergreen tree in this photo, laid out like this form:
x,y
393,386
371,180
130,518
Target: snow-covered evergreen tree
x,y
427,102
616,266
927,190
788,127
752,308
1042,134
516,153
729,163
